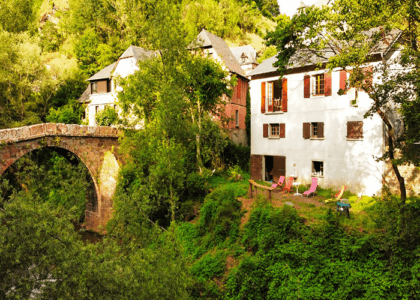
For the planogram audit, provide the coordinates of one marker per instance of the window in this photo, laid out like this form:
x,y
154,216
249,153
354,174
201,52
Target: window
x,y
314,130
274,96
274,130
318,84
109,86
355,130
237,118
317,168
94,87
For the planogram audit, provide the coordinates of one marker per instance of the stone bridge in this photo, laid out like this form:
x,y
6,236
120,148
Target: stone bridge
x,y
95,146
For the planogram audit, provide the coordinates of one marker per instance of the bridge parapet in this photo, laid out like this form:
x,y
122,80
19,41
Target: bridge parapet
x,y
13,135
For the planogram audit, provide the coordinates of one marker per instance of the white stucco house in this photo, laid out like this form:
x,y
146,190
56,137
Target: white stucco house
x,y
302,127
101,91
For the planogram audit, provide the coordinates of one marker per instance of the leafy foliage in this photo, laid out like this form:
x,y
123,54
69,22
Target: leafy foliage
x,y
43,256
220,215
68,114
208,267
107,117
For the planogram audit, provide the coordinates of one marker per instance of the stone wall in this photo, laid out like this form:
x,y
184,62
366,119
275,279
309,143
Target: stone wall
x,y
411,175
96,147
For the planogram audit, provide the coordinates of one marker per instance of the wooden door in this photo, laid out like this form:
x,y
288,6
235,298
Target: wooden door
x,y
279,167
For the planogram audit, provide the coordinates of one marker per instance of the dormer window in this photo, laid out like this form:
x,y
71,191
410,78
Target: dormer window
x,y
101,86
244,57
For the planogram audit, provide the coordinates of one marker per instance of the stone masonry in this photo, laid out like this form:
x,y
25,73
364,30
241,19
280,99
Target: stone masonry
x,y
95,146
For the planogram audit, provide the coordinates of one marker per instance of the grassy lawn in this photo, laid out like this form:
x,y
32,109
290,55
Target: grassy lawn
x,y
313,209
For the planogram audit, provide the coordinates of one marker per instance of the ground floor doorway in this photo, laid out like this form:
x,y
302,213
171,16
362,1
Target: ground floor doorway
x,y
274,167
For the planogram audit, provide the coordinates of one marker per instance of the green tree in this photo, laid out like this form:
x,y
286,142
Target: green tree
x,y
174,83
67,114
23,80
17,16
353,30
42,256
107,117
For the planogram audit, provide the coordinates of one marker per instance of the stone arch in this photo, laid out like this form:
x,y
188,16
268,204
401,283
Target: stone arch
x,y
94,181
95,147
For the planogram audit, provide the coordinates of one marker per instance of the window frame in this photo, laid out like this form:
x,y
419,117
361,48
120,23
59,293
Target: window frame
x,y
318,86
94,87
237,118
270,88
270,100
322,170
270,131
314,129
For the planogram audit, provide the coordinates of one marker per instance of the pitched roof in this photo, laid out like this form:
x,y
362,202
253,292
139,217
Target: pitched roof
x,y
321,3
307,58
85,96
137,52
133,51
245,54
104,73
219,45
265,67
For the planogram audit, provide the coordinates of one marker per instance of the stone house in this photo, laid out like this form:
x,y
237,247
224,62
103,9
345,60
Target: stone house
x,y
302,127
101,91
235,107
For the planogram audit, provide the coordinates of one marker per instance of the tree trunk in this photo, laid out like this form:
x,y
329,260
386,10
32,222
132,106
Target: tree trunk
x,y
198,138
400,179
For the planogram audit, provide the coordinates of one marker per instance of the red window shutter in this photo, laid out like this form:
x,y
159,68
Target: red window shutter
x,y
282,130
239,89
262,97
320,130
306,130
307,86
284,94
265,130
327,82
343,78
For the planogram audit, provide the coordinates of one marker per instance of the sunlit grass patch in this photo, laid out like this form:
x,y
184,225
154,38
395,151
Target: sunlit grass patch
x,y
240,187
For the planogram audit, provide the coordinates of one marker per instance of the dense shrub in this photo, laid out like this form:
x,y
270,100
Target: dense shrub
x,y
290,260
68,114
237,155
220,215
107,117
209,266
